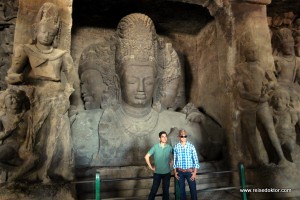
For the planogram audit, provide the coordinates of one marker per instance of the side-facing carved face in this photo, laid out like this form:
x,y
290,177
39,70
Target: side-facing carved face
x,y
46,34
137,85
12,102
280,101
168,95
92,89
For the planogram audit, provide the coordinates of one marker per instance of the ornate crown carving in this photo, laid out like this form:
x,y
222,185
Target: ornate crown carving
x,y
48,14
136,40
285,35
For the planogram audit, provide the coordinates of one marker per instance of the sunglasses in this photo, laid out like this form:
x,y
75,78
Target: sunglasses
x,y
183,136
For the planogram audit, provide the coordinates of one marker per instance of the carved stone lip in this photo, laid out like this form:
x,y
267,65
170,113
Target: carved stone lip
x,y
140,96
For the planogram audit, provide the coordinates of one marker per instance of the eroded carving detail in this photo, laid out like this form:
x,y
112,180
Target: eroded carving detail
x,y
254,91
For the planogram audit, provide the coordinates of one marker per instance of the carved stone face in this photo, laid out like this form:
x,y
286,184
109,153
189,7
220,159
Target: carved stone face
x,y
12,102
251,55
92,89
137,85
46,34
280,101
168,96
288,48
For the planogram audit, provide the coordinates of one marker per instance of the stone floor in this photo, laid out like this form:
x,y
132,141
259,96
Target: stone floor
x,y
216,195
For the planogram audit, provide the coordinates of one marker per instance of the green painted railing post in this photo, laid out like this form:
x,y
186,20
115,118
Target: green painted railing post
x,y
177,191
97,186
242,181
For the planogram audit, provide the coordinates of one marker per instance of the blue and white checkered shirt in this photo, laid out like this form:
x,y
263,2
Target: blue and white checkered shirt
x,y
185,157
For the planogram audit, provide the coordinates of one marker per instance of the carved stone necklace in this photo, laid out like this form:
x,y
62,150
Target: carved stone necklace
x,y
289,58
138,126
280,112
45,51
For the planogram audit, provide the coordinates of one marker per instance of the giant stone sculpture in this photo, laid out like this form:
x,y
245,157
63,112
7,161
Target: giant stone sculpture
x,y
121,134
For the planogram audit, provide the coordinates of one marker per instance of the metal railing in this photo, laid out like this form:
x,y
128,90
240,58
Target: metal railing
x,y
242,177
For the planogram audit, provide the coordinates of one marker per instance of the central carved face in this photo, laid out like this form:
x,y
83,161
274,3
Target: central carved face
x,y
92,89
46,34
137,85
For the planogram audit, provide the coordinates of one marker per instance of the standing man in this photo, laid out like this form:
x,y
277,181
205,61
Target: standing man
x,y
185,165
162,153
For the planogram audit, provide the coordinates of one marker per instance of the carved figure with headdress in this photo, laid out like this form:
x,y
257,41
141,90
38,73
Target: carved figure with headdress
x,y
254,88
287,64
170,92
97,72
47,75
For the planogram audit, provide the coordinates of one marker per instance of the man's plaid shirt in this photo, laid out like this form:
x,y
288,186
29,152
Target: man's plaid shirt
x,y
185,157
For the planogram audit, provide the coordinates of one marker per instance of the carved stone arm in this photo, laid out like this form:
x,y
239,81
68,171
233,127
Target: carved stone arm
x,y
73,87
247,95
3,134
19,61
68,68
192,113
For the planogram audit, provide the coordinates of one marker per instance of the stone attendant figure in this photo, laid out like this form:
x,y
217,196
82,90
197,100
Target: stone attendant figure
x,y
253,103
287,65
39,66
285,120
127,130
13,126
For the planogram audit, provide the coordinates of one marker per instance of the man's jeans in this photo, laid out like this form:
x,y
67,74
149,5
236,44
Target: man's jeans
x,y
156,182
192,185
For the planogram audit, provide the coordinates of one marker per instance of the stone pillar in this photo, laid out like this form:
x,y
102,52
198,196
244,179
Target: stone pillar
x,y
250,23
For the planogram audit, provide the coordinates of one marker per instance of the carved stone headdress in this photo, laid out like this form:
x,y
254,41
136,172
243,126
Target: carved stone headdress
x,y
136,40
285,35
92,60
48,15
100,57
